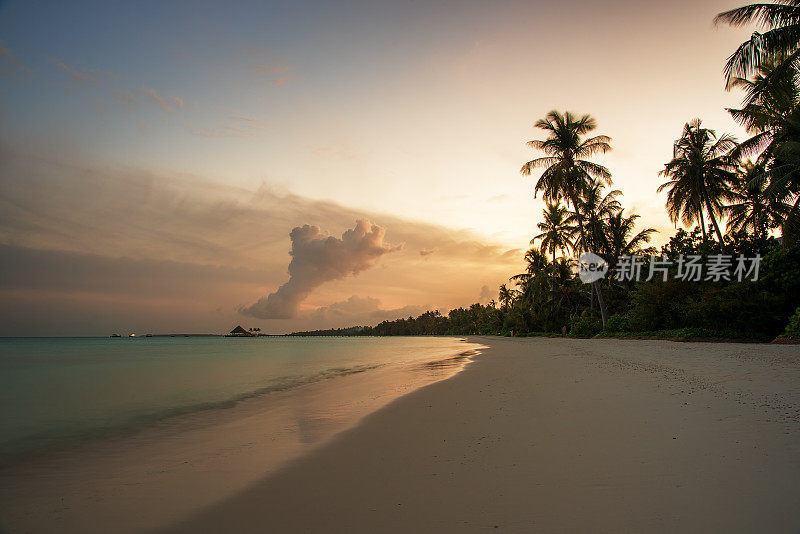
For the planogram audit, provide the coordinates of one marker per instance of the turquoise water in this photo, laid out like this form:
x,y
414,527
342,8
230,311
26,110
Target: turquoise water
x,y
59,391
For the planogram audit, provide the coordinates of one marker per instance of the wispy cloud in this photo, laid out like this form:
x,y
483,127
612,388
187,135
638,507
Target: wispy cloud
x,y
9,58
128,98
266,63
234,126
167,104
77,77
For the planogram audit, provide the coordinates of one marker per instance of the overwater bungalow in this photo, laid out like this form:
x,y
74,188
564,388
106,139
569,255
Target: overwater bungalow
x,y
240,332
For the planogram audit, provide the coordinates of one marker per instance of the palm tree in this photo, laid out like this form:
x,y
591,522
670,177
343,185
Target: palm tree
x,y
779,44
700,172
771,113
751,210
505,297
567,173
556,231
623,240
598,207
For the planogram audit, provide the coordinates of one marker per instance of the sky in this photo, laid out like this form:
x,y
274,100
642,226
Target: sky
x,y
160,160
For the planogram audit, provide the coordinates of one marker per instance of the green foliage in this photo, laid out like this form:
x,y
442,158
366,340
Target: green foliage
x,y
793,328
586,327
619,322
739,306
688,334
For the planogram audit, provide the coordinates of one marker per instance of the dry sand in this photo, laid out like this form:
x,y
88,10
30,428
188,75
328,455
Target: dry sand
x,y
553,435
536,435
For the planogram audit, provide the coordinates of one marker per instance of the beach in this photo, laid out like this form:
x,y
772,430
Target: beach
x,y
558,435
535,434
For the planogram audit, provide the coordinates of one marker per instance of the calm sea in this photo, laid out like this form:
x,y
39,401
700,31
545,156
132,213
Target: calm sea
x,y
60,391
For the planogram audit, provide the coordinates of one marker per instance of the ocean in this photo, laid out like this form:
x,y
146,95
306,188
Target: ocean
x,y
60,392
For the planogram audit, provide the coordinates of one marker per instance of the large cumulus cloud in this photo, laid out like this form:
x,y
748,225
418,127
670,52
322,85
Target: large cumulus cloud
x,y
318,257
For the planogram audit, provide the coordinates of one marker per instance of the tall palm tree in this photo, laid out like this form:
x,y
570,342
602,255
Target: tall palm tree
x,y
778,44
771,113
700,173
556,231
567,171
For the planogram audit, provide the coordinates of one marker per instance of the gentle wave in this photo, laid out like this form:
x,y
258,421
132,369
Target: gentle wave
x,y
70,436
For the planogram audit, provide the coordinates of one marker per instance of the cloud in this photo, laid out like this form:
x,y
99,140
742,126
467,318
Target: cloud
x,y
78,77
426,252
269,65
168,104
128,98
235,126
8,57
364,311
318,257
129,237
486,295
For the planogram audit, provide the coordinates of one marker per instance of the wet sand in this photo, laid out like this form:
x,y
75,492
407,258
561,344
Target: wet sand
x,y
142,482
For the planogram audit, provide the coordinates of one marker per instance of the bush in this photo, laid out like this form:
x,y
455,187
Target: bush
x,y
793,328
586,327
618,322
690,334
744,307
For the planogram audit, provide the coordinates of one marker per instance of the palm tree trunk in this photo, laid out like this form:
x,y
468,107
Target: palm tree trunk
x,y
702,223
713,220
595,285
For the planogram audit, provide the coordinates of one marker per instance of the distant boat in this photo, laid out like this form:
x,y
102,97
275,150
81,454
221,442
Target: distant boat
x,y
131,335
148,335
115,335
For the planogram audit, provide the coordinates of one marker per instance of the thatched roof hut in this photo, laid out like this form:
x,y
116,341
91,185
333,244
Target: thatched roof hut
x,y
239,331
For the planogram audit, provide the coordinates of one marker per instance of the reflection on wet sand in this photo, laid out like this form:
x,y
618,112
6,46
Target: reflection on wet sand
x,y
128,484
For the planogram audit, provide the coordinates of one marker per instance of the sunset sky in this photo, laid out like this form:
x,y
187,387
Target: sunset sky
x,y
155,156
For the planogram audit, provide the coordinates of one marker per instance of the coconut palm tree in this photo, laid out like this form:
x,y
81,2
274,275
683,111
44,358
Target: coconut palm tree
x,y
771,113
778,44
567,171
622,238
556,231
751,210
700,173
598,206
505,297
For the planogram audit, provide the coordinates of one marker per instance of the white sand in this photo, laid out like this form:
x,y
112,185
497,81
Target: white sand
x,y
553,435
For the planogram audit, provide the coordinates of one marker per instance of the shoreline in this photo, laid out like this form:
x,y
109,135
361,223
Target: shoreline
x,y
128,482
542,434
535,434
